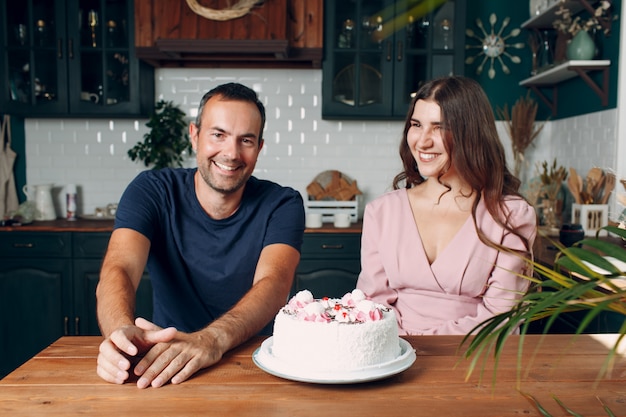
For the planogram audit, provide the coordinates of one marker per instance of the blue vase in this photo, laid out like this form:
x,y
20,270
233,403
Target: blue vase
x,y
581,47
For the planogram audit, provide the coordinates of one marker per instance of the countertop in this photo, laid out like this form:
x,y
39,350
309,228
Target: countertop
x,y
106,225
62,381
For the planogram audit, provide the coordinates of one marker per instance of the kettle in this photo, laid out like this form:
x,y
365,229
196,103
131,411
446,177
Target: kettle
x,y
41,195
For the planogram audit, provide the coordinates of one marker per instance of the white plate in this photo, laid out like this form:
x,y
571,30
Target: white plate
x,y
264,359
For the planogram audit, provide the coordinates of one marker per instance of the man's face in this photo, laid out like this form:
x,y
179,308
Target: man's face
x,y
227,144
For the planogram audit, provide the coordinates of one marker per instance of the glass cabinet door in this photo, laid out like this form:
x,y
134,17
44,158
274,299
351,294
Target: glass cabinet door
x,y
72,58
359,45
34,59
379,52
100,65
428,36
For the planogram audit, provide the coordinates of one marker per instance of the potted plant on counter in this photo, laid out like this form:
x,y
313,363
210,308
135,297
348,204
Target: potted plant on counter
x,y
167,142
587,277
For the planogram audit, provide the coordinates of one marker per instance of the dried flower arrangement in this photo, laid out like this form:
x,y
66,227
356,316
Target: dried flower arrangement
x,y
552,179
600,20
521,126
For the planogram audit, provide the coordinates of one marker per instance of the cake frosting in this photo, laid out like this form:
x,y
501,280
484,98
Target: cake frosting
x,y
328,334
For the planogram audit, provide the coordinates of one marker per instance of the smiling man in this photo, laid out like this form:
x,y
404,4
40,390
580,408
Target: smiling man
x,y
220,245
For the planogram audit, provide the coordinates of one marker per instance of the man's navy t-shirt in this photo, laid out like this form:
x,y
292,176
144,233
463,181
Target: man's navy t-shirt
x,y
200,267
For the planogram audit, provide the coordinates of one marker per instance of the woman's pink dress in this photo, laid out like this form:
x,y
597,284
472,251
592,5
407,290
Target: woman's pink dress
x,y
467,283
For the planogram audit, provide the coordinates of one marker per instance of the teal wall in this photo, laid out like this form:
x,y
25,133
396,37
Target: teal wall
x,y
575,97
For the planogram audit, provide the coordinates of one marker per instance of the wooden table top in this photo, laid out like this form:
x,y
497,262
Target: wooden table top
x,y
62,380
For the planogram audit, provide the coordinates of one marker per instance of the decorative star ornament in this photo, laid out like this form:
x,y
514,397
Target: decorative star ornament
x,y
493,46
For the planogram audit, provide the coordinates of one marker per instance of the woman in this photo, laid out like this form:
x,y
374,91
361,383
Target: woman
x,y
444,249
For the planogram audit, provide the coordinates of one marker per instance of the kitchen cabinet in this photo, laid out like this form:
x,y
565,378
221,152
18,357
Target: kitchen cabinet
x,y
548,79
35,294
72,58
272,34
379,52
329,264
47,290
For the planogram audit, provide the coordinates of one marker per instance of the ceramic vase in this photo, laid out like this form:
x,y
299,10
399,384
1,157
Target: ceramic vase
x,y
581,47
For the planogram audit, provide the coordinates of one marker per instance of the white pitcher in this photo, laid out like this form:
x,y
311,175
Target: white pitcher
x,y
41,195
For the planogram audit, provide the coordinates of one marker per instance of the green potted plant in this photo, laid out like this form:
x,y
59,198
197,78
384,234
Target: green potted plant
x,y
584,278
167,141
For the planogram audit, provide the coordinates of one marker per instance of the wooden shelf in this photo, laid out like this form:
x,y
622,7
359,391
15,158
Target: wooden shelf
x,y
565,71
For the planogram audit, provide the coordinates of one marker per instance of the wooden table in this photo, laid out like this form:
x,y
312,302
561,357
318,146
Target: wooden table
x,y
61,380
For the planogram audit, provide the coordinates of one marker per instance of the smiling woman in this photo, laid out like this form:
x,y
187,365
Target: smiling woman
x,y
439,249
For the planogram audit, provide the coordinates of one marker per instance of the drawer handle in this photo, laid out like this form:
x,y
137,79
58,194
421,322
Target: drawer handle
x,y
23,245
325,246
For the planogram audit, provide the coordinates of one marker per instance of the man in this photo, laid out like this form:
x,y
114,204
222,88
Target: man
x,y
220,245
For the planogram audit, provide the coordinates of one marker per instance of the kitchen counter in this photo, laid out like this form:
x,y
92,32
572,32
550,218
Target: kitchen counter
x,y
61,225
106,225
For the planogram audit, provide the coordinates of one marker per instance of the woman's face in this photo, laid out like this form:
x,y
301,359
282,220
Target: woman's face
x,y
425,139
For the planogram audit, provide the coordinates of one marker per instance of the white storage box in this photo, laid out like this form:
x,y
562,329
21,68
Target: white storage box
x,y
330,207
592,217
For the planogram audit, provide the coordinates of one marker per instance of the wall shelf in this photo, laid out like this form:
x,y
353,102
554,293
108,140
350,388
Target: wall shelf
x,y
544,19
565,71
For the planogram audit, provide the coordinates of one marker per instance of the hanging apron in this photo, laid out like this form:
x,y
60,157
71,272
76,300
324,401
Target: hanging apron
x,y
8,193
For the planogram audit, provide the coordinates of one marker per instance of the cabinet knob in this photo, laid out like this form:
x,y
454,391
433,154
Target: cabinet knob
x,y
23,245
65,326
325,246
76,326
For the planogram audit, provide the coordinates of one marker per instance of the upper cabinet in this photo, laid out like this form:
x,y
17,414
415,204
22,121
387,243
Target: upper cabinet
x,y
271,34
72,58
379,52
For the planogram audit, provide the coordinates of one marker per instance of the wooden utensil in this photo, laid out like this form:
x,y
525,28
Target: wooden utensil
x,y
572,185
609,185
594,177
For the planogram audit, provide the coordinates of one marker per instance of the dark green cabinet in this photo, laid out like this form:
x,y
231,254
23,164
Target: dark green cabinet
x,y
379,52
35,294
329,265
71,58
48,289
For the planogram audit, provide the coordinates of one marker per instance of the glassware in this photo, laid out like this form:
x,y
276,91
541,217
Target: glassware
x,y
546,53
41,32
550,213
92,20
21,33
445,27
345,37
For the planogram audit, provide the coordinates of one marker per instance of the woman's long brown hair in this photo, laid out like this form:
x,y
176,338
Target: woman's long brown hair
x,y
472,141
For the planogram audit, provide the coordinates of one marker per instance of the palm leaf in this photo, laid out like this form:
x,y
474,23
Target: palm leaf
x,y
571,285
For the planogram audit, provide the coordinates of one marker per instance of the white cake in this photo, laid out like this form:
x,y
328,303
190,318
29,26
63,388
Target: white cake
x,y
335,334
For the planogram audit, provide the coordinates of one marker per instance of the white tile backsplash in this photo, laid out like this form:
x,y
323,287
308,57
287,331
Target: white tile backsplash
x,y
92,153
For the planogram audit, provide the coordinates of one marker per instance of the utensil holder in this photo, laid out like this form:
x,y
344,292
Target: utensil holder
x,y
592,217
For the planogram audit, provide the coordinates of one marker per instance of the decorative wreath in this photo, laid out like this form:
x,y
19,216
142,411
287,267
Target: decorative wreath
x,y
241,8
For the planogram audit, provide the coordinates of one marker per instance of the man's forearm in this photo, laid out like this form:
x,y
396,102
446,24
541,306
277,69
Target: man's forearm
x,y
249,315
115,296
